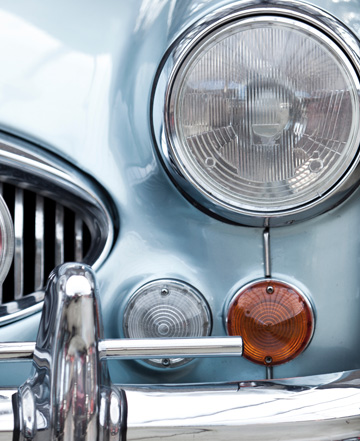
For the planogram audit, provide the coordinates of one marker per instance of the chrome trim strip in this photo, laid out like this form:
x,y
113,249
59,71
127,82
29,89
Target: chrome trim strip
x,y
1,287
144,348
17,350
161,118
78,239
318,408
267,255
19,246
22,163
59,234
171,347
6,414
39,243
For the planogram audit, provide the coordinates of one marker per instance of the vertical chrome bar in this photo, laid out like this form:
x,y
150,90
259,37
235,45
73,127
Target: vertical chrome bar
x,y
269,372
267,252
78,239
59,234
39,243
19,244
1,288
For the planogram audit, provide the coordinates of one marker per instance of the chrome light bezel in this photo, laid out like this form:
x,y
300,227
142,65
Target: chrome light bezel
x,y
161,111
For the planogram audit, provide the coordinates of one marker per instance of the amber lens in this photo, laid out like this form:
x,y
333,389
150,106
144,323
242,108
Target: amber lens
x,y
274,320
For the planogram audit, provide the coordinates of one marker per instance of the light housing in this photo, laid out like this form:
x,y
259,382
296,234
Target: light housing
x,y
260,110
167,308
275,320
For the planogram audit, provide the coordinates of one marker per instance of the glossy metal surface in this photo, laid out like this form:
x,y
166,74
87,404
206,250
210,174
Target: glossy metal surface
x,y
87,98
145,348
172,347
6,414
20,163
17,350
19,247
164,131
69,395
267,253
319,408
39,243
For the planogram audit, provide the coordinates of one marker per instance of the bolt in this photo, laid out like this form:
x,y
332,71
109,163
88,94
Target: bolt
x,y
268,360
165,362
270,289
164,292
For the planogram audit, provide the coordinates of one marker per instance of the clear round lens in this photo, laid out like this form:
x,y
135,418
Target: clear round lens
x,y
167,308
263,115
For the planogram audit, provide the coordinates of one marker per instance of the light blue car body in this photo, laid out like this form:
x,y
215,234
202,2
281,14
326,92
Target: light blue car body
x,y
76,79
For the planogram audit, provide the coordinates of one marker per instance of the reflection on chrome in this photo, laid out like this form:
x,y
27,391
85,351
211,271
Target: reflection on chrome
x,y
69,395
61,399
295,409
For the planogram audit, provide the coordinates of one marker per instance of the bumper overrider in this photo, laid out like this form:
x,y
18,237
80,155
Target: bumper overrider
x,y
69,395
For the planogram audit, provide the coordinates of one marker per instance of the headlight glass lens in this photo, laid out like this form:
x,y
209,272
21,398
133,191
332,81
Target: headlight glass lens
x,y
263,115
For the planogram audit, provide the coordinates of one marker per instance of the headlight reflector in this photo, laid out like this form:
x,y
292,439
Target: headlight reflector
x,y
262,117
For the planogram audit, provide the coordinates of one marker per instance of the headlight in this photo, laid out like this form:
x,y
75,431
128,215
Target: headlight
x,y
261,115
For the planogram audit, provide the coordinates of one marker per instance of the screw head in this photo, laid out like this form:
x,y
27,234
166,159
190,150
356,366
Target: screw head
x,y
164,292
268,359
165,362
270,289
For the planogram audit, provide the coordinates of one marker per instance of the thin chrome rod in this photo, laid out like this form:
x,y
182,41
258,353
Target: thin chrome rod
x,y
267,252
59,234
78,239
39,243
19,244
17,350
171,347
269,373
1,290
144,348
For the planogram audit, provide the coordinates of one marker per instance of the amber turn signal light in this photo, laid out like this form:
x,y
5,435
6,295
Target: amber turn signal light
x,y
274,319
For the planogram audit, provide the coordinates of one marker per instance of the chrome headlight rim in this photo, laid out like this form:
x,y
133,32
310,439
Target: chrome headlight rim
x,y
348,47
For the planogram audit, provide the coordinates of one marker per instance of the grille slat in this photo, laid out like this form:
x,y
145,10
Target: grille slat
x,y
19,245
59,214
78,239
39,243
59,234
1,288
46,234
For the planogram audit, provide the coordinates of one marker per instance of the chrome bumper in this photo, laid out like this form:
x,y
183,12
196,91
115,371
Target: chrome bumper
x,y
69,395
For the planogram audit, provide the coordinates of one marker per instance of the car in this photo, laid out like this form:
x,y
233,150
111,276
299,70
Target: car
x,y
179,219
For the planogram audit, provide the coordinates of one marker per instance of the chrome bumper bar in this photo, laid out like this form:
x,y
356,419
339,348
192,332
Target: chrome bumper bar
x,y
69,395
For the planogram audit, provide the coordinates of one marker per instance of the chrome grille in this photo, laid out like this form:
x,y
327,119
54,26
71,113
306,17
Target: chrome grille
x,y
46,234
60,215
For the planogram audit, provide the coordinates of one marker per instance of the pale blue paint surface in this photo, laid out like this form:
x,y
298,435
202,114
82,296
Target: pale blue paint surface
x,y
76,78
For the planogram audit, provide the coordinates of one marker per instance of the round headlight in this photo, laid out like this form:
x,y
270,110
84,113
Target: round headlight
x,y
261,116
